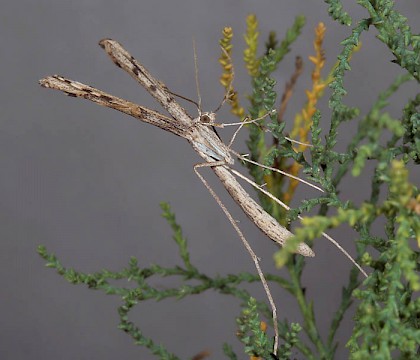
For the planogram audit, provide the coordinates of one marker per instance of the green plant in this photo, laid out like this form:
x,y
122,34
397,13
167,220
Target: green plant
x,y
388,306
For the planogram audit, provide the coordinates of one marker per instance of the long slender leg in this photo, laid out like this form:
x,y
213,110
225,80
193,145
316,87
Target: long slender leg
x,y
246,244
253,121
276,170
264,166
259,187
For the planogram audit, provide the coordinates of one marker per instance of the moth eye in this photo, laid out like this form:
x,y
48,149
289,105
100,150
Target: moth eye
x,y
205,118
208,118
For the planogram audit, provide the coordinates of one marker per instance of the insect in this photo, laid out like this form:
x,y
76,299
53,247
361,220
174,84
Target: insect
x,y
200,134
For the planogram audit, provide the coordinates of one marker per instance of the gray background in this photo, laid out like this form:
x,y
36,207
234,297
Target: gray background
x,y
86,181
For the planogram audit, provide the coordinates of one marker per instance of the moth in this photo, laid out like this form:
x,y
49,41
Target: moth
x,y
199,132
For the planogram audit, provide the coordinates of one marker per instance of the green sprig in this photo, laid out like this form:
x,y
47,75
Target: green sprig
x,y
335,9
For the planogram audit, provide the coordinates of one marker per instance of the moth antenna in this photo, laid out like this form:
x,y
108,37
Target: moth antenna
x,y
197,82
183,97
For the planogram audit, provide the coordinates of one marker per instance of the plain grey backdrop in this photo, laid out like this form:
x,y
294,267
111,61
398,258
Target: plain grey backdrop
x,y
86,181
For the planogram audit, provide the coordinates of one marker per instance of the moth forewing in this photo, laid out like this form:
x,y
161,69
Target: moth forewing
x,y
77,89
123,59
